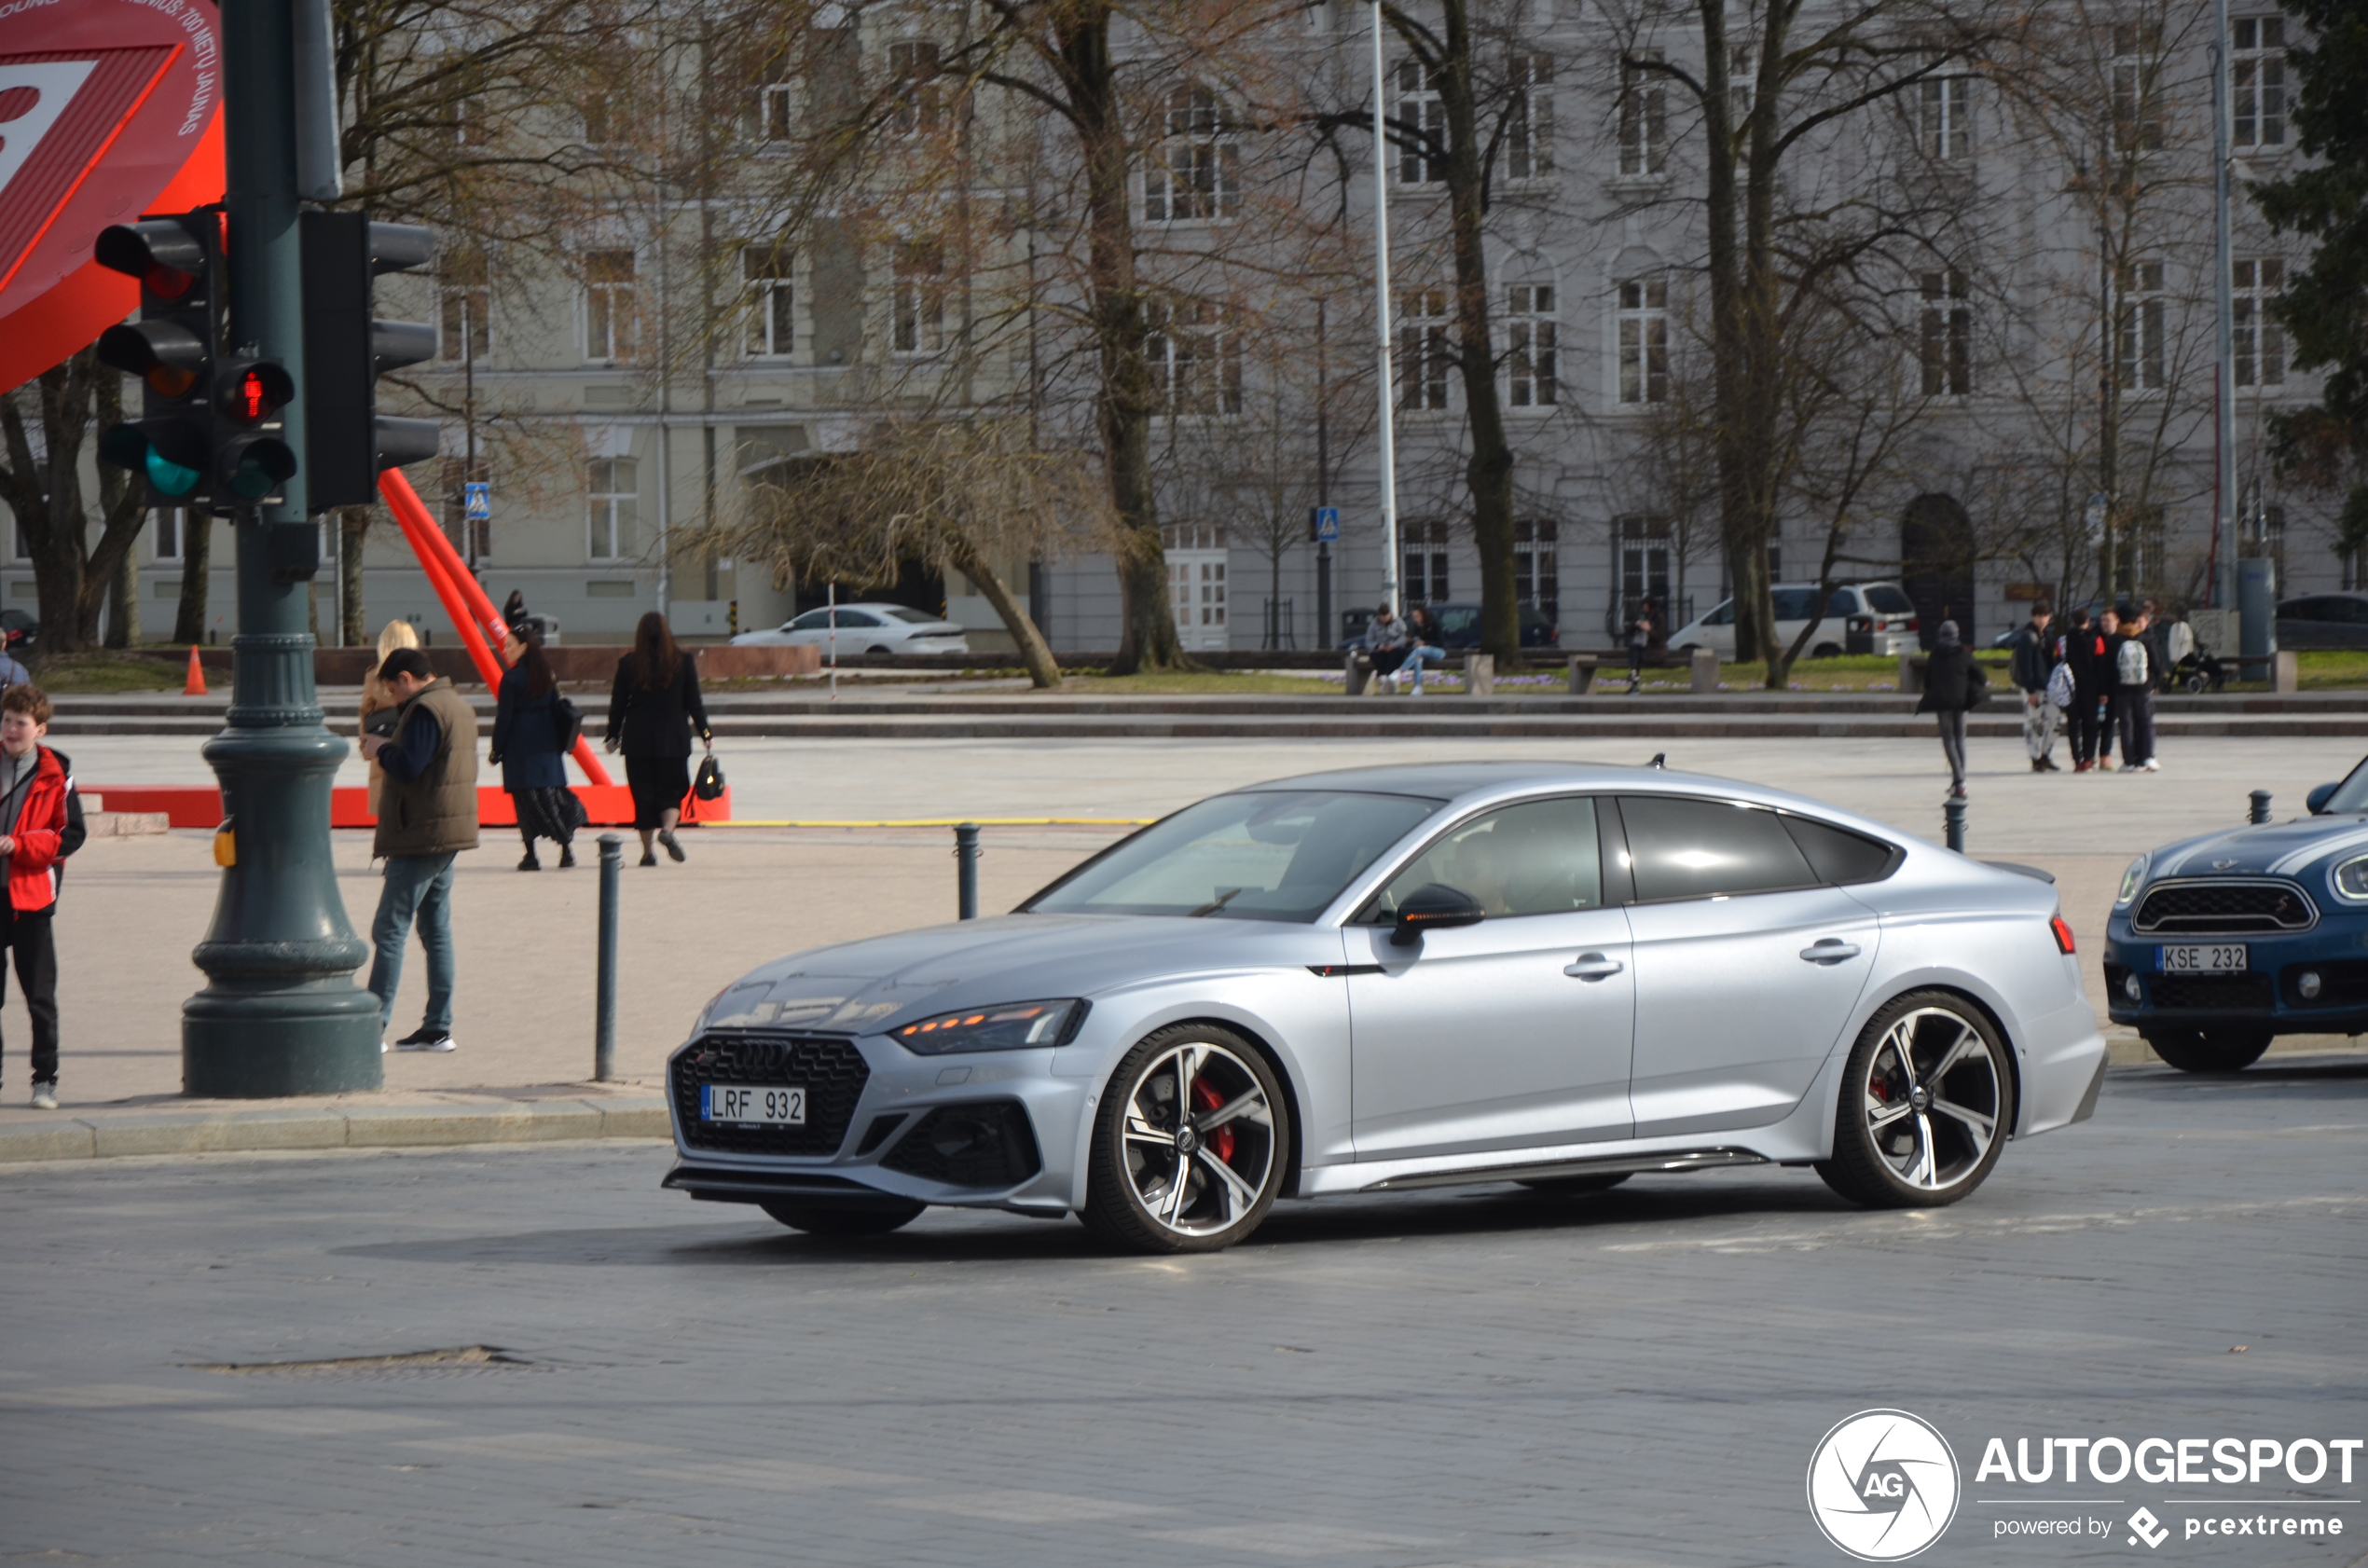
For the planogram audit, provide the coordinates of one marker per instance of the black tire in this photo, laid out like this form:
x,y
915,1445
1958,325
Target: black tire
x,y
1826,650
1929,1133
1240,1125
2209,1051
822,1217
1571,1187
881,649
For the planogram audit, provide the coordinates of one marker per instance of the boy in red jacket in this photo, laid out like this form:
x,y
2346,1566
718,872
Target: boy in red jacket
x,y
32,824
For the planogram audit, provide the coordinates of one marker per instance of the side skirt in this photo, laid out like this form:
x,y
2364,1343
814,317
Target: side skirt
x,y
1668,1163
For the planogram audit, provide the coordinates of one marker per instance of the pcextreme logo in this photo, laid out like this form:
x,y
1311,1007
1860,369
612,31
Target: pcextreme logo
x,y
1883,1485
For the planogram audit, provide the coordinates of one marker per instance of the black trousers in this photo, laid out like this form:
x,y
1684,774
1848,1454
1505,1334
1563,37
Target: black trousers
x,y
33,938
2135,705
2085,726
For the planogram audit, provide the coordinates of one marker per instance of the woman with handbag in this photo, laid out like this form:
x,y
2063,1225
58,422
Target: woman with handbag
x,y
653,710
528,718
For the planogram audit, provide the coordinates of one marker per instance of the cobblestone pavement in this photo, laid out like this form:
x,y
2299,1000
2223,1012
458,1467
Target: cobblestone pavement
x,y
1484,1377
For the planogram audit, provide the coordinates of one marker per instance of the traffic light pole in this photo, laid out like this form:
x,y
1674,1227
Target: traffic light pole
x,y
281,1013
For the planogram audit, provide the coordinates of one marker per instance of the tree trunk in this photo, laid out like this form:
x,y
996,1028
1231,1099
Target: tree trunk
x,y
123,604
1034,651
196,552
1127,399
353,523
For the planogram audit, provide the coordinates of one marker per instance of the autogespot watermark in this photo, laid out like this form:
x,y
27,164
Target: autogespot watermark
x,y
1883,1485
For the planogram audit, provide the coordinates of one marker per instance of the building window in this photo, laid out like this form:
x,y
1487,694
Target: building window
x,y
1640,565
1422,348
1422,551
2137,86
1530,340
2140,316
2260,337
1529,126
1196,578
920,325
170,520
1537,579
764,271
2138,563
912,73
463,300
1948,334
2258,67
776,100
1420,114
1643,119
1643,340
610,319
1196,356
615,500
1196,175
1945,116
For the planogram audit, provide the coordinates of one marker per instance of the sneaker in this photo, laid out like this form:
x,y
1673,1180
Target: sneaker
x,y
2038,766
1415,692
425,1038
45,1096
674,849
649,858
2150,765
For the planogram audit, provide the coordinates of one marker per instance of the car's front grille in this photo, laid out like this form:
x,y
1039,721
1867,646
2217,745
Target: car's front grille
x,y
987,1143
829,1068
2219,907
2176,993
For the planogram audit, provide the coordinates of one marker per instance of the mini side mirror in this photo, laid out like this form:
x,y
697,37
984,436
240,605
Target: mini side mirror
x,y
2318,798
1434,906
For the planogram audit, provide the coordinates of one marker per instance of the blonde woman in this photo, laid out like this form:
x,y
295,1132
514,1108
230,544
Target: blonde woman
x,y
398,634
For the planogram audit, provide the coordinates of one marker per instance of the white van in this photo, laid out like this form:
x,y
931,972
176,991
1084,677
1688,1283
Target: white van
x,y
1859,618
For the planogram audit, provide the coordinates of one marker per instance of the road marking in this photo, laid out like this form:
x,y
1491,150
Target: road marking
x,y
763,1475
535,1446
108,1397
1026,1508
312,1421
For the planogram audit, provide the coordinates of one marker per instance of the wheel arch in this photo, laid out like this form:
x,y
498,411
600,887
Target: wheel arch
x,y
1980,1004
1255,1039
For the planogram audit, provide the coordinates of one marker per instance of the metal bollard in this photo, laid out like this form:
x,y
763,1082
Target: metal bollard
x,y
965,871
604,985
2259,799
1953,815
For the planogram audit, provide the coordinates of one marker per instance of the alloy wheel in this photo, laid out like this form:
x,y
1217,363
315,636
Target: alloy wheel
x,y
1931,1099
1199,1138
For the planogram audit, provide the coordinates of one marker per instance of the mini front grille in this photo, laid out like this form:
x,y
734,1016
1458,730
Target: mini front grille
x,y
2221,907
830,1069
985,1144
2176,993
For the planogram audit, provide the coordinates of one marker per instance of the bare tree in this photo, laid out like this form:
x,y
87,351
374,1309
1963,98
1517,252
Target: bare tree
x,y
41,481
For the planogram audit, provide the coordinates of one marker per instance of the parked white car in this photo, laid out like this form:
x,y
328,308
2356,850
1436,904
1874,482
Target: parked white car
x,y
1882,615
865,629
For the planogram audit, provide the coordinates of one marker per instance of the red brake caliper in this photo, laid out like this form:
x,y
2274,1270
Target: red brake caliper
x,y
1221,1141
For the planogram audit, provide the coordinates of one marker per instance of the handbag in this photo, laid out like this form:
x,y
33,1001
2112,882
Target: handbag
x,y
708,783
567,722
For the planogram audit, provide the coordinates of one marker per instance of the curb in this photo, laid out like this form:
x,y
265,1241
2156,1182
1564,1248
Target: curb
x,y
104,1133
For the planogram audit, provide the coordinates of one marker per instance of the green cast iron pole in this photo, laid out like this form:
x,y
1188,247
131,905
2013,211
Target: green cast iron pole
x,y
281,1013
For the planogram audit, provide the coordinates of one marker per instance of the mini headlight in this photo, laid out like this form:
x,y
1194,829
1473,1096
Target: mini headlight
x,y
1005,1026
2135,878
2351,879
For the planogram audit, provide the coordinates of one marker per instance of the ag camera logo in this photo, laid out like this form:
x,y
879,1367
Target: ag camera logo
x,y
1883,1485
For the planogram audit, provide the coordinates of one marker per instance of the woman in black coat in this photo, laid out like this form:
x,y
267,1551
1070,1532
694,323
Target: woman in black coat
x,y
654,708
1953,684
526,742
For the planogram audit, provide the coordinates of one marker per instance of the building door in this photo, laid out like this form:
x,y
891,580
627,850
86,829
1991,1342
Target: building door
x,y
1196,560
1936,564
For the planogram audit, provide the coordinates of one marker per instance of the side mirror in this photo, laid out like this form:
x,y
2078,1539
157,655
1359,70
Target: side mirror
x,y
1435,906
2318,798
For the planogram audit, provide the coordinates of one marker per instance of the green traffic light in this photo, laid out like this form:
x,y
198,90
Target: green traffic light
x,y
251,481
169,477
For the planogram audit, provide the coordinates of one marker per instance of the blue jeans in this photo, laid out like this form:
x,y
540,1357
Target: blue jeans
x,y
1416,658
417,887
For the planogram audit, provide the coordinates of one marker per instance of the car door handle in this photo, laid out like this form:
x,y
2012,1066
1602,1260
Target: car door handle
x,y
1593,966
1829,950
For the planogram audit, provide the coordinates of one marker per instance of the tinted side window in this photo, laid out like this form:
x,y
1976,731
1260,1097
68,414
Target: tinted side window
x,y
1537,857
813,620
1693,849
1794,604
1885,600
1844,603
1840,856
1722,616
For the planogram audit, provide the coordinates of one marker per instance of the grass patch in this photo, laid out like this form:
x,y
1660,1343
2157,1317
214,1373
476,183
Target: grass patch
x,y
1204,684
104,672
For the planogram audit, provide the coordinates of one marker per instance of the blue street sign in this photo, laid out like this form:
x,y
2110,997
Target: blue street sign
x,y
480,500
1328,524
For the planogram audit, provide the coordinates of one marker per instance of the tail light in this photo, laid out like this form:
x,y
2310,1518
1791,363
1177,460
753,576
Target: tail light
x,y
1910,625
2063,935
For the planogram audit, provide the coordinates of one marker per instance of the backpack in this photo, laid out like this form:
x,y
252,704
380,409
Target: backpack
x,y
567,722
2129,665
2060,686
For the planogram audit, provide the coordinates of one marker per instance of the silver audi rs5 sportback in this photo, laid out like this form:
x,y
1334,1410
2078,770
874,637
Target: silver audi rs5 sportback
x,y
1559,975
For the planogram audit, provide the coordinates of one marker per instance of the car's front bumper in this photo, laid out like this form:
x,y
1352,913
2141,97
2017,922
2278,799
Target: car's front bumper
x,y
2267,994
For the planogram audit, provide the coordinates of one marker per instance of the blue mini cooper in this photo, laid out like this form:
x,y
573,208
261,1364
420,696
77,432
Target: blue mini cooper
x,y
2218,945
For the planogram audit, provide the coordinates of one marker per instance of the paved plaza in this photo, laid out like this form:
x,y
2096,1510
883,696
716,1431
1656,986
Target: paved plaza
x,y
1473,1377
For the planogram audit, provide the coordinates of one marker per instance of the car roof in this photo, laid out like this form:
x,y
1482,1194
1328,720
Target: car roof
x,y
1476,781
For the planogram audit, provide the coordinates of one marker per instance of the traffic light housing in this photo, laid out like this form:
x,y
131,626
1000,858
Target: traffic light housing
x,y
345,351
251,459
171,348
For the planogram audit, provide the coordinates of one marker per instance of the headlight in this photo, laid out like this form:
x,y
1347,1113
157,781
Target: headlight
x,y
2135,878
2351,879
1006,1026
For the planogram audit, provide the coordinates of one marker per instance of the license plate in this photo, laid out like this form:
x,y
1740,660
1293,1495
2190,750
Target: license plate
x,y
2220,958
758,1104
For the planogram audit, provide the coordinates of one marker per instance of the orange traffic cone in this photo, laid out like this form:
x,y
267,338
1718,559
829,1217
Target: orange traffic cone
x,y
195,684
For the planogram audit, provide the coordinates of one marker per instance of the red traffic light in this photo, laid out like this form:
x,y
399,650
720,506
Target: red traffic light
x,y
251,391
165,256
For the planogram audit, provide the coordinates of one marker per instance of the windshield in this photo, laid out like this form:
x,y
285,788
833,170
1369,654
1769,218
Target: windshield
x,y
2352,793
1261,855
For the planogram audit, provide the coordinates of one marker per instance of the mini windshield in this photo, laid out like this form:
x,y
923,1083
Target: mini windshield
x,y
2351,794
1261,855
